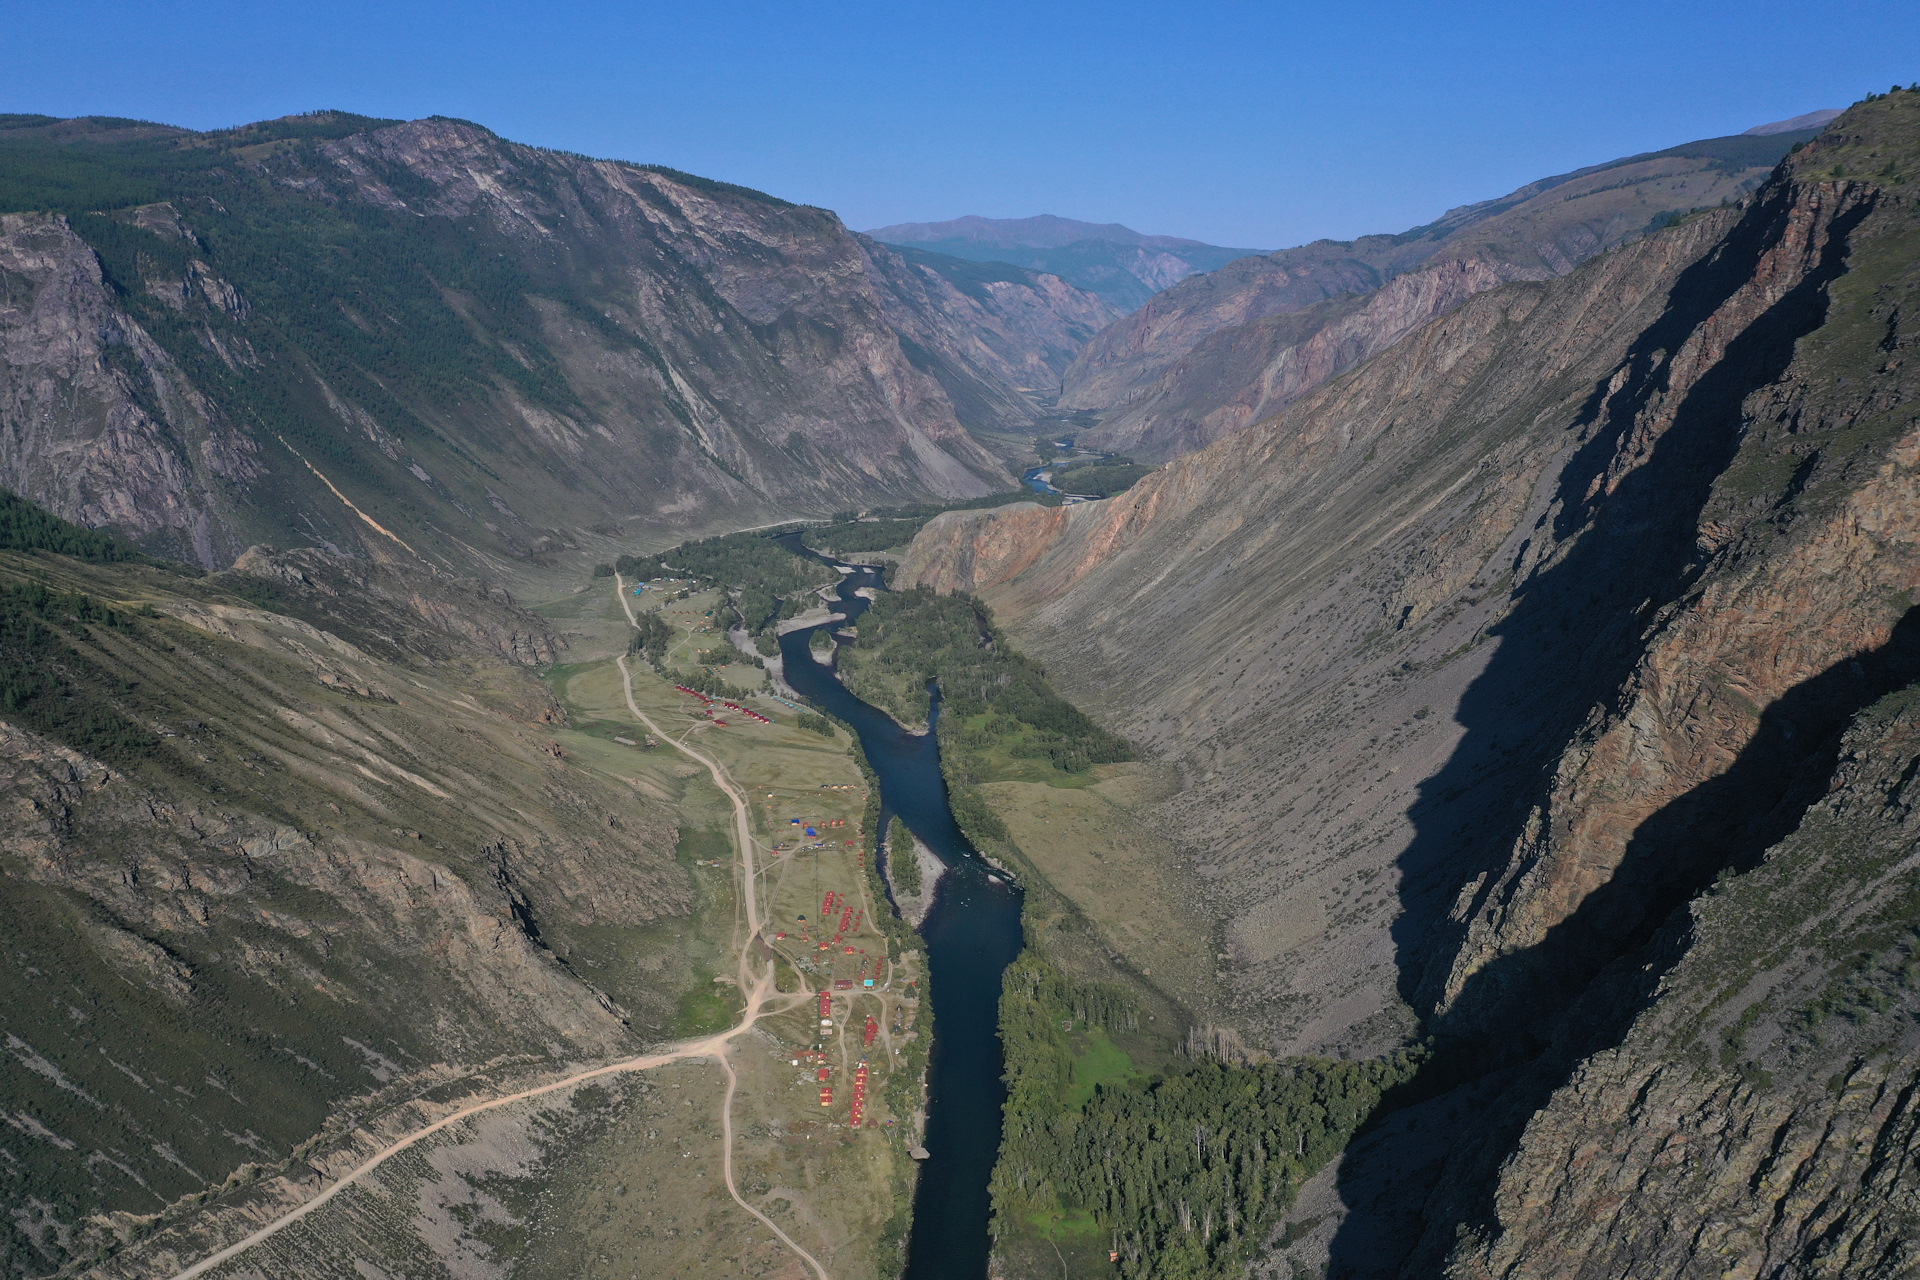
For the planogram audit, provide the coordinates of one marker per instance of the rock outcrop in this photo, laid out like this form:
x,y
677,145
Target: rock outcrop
x,y
1542,683
1218,351
1024,326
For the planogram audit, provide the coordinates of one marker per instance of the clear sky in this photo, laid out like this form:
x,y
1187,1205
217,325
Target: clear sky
x,y
1252,125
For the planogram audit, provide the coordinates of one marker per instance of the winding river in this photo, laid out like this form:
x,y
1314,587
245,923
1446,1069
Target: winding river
x,y
972,935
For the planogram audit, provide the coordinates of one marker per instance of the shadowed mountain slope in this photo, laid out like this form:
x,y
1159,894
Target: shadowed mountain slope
x,y
419,340
1219,351
1543,684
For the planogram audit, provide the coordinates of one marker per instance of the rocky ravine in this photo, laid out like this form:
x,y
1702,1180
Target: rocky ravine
x,y
424,342
1219,351
1486,661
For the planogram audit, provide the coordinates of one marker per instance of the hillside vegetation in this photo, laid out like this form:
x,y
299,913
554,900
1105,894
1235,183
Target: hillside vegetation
x,y
262,884
998,712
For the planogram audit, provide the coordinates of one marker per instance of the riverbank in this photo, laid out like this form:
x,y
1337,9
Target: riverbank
x,y
972,932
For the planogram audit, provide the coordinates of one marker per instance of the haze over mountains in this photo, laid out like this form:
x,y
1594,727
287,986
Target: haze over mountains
x,y
1118,263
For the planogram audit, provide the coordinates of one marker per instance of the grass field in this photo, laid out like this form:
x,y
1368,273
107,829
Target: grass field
x,y
1126,878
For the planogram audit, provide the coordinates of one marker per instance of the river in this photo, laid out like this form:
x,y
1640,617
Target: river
x,y
972,935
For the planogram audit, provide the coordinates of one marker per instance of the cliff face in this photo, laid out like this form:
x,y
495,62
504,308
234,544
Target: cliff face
x,y
1761,1107
1209,356
99,423
1020,328
423,342
1485,662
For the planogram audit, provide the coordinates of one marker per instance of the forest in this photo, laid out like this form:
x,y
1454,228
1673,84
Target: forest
x,y
1100,479
866,535
903,863
1182,1173
763,572
52,687
888,528
997,706
27,527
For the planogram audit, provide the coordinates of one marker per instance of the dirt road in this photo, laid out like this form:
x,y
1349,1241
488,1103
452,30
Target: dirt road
x,y
757,987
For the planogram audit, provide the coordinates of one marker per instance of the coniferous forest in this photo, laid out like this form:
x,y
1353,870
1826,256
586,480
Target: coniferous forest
x,y
1182,1173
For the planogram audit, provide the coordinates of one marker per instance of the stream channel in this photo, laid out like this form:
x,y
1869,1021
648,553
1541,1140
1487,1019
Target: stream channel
x,y
972,935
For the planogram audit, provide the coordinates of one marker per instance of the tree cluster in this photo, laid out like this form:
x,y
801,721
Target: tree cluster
x,y
909,639
762,574
52,687
868,535
1188,1170
903,864
26,527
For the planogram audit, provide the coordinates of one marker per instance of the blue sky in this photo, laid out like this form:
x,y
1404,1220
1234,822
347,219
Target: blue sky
x,y
1254,125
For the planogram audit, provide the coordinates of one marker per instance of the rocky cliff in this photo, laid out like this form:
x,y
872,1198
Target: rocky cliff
x,y
1212,354
422,342
1022,328
1541,684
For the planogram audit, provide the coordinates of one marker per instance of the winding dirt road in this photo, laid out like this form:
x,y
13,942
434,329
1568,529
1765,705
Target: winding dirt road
x,y
756,986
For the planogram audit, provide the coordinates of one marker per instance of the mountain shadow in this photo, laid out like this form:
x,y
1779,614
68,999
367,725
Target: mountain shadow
x,y
1568,646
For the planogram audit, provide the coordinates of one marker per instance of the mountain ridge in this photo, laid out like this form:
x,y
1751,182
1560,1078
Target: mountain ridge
x,y
1544,684
1122,265
1206,357
420,340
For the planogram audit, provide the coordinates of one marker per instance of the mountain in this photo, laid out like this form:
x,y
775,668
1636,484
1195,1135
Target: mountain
x,y
1218,351
1025,326
1811,120
421,341
291,849
1546,685
1118,263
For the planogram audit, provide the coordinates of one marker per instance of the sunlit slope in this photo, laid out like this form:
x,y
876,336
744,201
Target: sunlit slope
x,y
1219,351
420,339
260,876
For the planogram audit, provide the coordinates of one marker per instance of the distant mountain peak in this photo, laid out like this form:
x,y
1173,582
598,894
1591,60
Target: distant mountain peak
x,y
1811,120
1042,231
1124,266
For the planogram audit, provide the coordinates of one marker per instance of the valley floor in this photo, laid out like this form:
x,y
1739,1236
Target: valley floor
x,y
719,1154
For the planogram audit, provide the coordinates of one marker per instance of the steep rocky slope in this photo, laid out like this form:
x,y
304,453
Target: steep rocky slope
x,y
285,848
1539,683
1220,351
421,341
1023,327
